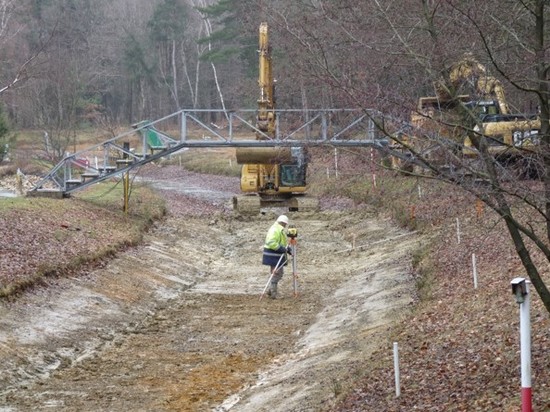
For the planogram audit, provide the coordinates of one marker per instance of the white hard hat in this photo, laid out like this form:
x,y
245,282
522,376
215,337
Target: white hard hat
x,y
283,219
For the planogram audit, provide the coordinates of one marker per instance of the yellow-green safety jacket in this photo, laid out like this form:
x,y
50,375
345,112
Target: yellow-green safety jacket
x,y
275,245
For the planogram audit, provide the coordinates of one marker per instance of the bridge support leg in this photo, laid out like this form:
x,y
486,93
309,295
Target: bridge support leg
x,y
126,183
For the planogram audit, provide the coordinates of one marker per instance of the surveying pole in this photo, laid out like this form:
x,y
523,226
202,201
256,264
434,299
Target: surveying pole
x,y
293,234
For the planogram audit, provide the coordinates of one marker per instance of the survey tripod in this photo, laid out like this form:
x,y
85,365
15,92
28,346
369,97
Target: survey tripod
x,y
292,235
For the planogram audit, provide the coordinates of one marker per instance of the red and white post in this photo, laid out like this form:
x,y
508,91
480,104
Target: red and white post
x,y
520,288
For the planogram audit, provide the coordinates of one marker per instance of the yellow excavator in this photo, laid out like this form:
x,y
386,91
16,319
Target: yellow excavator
x,y
271,176
468,88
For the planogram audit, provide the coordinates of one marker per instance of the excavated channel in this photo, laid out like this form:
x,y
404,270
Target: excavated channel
x,y
177,324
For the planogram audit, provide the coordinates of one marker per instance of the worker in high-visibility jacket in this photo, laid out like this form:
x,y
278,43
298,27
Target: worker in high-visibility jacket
x,y
275,252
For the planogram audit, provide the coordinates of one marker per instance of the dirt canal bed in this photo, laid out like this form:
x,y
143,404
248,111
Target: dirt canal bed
x,y
177,324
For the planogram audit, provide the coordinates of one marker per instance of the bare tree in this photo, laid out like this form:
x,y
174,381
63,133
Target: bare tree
x,y
374,56
19,60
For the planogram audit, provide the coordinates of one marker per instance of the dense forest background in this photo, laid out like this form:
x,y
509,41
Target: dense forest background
x,y
73,62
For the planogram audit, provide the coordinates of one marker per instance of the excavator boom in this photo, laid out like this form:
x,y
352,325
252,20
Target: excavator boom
x,y
271,176
266,102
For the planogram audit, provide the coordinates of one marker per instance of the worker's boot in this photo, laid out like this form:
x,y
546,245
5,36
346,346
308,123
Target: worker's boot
x,y
273,291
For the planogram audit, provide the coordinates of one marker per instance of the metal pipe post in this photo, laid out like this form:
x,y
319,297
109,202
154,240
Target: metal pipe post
x,y
396,370
294,272
183,132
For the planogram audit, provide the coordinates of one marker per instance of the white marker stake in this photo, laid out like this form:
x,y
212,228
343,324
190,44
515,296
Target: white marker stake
x,y
372,168
336,162
396,368
458,231
474,269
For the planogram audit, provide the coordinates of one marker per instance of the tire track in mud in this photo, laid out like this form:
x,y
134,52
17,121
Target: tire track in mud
x,y
178,325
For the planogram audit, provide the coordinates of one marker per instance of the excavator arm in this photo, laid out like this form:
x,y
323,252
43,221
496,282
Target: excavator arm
x,y
469,76
266,102
271,176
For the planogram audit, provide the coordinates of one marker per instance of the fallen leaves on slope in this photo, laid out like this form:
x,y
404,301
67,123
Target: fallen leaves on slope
x,y
459,350
42,237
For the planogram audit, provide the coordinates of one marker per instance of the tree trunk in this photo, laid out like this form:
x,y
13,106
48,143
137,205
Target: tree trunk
x,y
526,260
542,72
187,77
208,27
175,76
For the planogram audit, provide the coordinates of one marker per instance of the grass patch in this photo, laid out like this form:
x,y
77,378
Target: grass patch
x,y
424,272
395,197
144,203
14,203
82,138
208,161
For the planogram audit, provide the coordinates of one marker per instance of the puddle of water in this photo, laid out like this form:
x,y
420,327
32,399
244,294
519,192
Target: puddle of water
x,y
191,190
7,193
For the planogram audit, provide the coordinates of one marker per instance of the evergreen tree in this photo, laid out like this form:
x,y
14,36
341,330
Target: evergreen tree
x,y
167,31
168,21
5,137
232,37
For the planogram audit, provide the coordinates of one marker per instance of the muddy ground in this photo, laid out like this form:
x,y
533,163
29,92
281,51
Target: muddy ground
x,y
178,325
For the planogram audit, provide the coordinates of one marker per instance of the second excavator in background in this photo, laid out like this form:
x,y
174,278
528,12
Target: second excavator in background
x,y
271,176
469,104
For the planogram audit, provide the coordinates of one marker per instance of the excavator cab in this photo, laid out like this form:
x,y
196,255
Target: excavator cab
x,y
293,175
483,108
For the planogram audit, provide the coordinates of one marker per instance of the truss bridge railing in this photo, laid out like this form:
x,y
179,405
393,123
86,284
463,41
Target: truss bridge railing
x,y
148,140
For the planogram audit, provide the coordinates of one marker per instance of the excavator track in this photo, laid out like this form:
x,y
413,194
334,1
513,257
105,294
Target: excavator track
x,y
247,205
251,204
304,204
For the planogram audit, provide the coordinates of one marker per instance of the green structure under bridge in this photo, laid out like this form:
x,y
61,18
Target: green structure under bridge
x,y
148,141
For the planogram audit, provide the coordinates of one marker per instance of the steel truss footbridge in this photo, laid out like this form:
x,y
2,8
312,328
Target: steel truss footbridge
x,y
148,141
